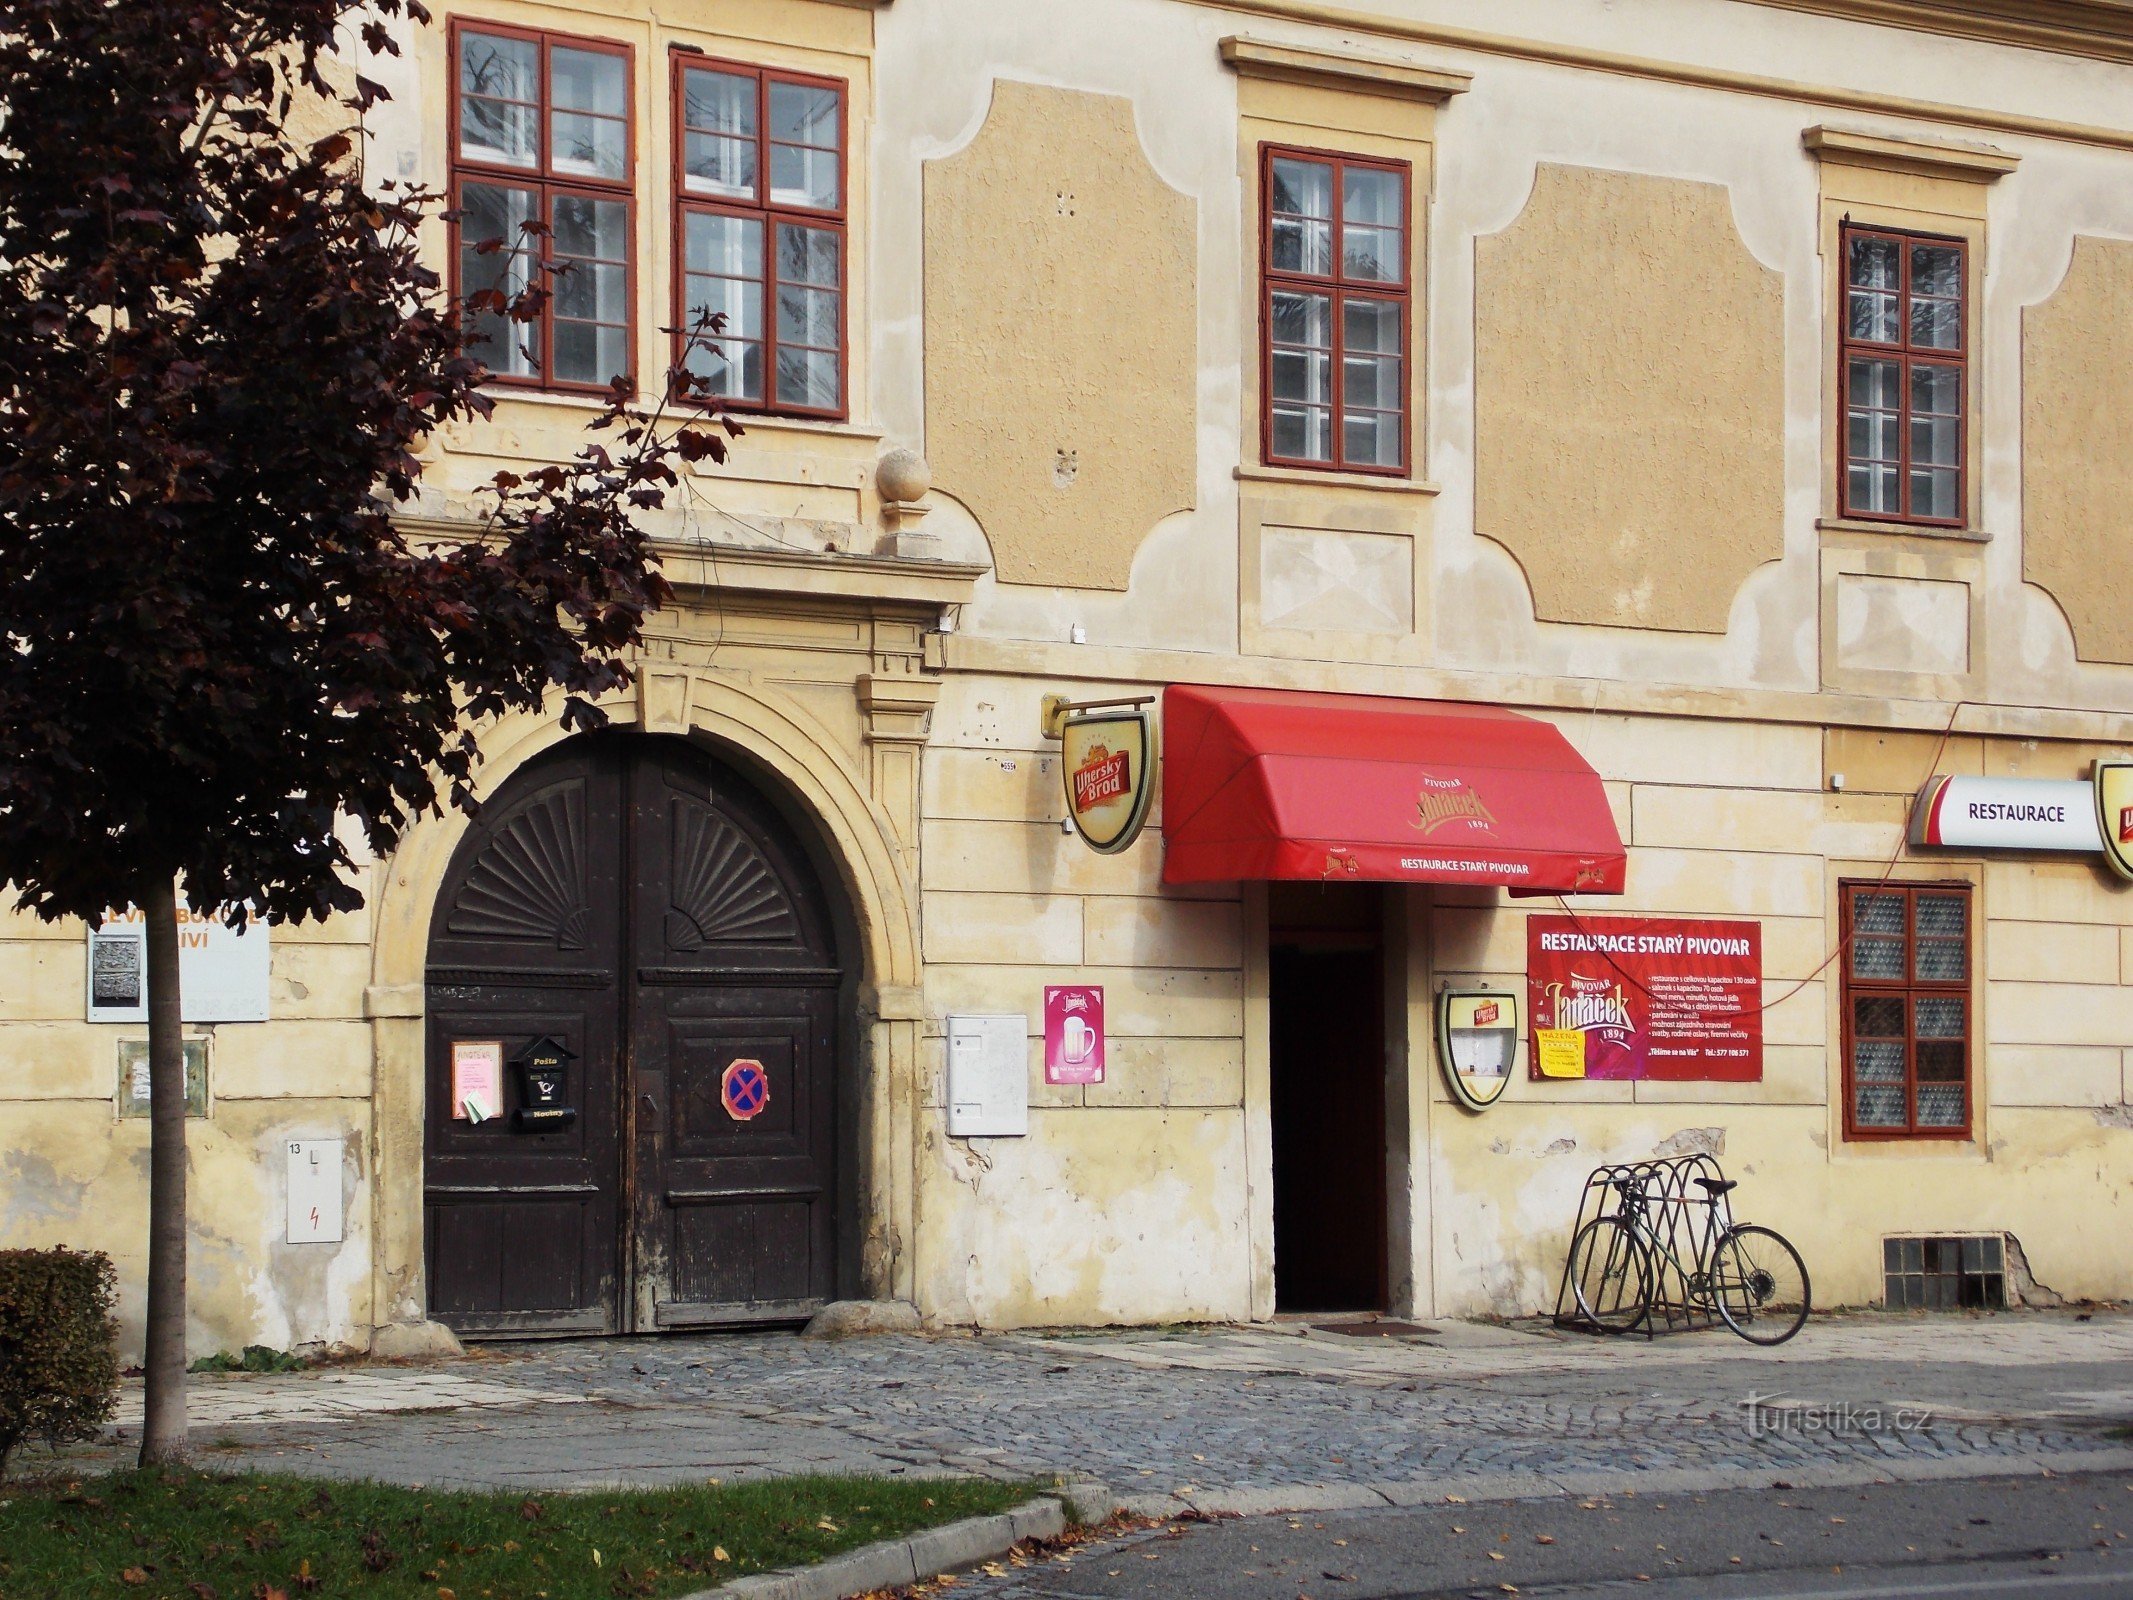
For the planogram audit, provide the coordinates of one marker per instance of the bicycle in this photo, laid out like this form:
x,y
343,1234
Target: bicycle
x,y
1750,1275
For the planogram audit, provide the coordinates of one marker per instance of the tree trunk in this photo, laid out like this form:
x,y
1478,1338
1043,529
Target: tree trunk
x,y
163,1426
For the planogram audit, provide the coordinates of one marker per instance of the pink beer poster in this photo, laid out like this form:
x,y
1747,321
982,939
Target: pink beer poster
x,y
1074,1034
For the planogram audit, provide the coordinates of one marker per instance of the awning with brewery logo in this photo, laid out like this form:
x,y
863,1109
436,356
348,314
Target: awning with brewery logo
x,y
1269,783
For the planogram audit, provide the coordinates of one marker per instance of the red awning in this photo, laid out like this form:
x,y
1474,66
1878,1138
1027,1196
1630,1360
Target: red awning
x,y
1268,783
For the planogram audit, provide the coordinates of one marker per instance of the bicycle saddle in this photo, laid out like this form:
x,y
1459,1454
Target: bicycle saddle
x,y
1719,1186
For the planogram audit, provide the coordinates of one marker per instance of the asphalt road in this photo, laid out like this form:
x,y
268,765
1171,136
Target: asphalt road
x,y
2068,1538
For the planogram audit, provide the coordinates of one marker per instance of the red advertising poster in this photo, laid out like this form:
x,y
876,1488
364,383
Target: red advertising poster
x,y
1074,1034
1659,998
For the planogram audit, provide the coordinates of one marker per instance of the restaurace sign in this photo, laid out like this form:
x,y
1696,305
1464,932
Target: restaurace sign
x,y
2008,814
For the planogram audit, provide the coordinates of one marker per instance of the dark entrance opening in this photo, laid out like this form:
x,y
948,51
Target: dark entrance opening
x,y
1326,1026
644,908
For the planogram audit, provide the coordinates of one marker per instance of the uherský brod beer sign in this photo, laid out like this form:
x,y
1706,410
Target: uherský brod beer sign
x,y
1107,749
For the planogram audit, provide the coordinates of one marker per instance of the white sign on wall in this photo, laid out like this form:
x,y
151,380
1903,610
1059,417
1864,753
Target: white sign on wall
x,y
222,974
2007,814
314,1191
988,1077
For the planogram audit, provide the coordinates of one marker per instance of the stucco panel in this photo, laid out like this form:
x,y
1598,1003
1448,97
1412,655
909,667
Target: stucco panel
x,y
1062,315
1629,400
2077,447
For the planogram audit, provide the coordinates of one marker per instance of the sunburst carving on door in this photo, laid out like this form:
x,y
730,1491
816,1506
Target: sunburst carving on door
x,y
529,882
724,892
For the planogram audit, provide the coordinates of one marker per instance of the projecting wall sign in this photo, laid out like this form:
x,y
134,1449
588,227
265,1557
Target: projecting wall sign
x,y
1107,749
2008,814
2114,813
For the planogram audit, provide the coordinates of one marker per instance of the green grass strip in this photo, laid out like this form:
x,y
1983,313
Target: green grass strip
x,y
197,1536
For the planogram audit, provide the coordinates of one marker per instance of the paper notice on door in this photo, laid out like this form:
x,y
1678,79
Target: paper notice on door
x,y
1562,1052
477,1080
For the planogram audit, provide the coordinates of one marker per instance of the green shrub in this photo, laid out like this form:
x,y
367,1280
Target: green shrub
x,y
58,1347
256,1358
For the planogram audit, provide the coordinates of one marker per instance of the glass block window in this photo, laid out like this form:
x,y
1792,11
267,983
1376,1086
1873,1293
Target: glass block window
x,y
1903,360
760,231
541,170
1908,1009
1336,312
1944,1274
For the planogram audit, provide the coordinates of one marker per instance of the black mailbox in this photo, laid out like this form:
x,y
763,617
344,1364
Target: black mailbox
x,y
543,1069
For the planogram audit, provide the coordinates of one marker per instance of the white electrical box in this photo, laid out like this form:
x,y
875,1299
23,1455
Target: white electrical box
x,y
314,1191
988,1077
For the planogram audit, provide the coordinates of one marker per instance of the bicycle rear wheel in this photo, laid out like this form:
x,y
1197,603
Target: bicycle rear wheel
x,y
1760,1284
1610,1273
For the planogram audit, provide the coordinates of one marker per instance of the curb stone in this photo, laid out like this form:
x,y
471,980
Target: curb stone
x,y
1297,1497
894,1563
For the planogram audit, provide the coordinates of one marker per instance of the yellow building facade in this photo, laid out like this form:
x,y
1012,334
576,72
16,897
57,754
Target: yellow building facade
x,y
1742,389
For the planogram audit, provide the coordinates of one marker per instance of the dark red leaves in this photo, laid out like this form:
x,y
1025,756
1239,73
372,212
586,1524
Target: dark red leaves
x,y
220,359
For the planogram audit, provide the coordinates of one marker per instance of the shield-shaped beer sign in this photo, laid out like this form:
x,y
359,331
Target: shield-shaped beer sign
x,y
2113,781
1109,758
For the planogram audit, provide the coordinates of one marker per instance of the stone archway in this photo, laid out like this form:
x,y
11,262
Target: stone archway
x,y
867,852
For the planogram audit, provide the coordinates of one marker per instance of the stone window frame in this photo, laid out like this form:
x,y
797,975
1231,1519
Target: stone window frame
x,y
682,59
548,185
1905,354
1341,289
1898,184
1908,989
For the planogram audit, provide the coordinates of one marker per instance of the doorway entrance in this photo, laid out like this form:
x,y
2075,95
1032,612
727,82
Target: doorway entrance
x,y
1327,1069
637,908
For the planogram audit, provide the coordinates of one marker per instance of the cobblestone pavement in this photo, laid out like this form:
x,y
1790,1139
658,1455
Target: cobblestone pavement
x,y
1252,1418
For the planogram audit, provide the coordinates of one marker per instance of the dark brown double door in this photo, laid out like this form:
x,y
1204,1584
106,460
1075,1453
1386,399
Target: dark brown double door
x,y
639,902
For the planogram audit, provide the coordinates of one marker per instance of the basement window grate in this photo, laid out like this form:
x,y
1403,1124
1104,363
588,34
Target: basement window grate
x,y
1945,1274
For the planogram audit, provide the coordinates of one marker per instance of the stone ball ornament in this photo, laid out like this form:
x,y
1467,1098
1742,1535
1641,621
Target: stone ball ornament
x,y
903,477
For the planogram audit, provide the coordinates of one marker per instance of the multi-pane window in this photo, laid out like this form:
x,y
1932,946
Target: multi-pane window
x,y
541,136
1908,1009
1903,358
760,218
1336,311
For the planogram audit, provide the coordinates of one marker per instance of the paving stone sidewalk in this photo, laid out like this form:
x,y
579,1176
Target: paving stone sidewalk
x,y
1282,1416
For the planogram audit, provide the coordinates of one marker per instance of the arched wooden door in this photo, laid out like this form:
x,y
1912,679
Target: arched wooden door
x,y
640,904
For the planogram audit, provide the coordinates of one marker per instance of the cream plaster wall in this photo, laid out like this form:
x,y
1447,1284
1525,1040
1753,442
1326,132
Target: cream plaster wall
x,y
1127,1195
1717,714
73,1172
2050,1066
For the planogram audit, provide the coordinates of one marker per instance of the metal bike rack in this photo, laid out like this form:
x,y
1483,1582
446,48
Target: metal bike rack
x,y
1678,1215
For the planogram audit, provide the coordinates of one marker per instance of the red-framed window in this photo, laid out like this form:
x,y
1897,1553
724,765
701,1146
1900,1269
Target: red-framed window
x,y
1905,390
541,133
1335,311
760,174
1910,1009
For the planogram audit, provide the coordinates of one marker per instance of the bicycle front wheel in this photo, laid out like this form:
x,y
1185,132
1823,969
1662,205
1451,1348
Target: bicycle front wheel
x,y
1759,1284
1610,1273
